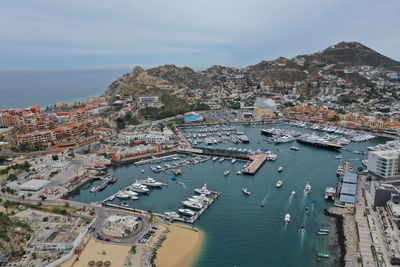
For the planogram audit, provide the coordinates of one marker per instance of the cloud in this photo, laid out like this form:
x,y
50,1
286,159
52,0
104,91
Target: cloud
x,y
48,33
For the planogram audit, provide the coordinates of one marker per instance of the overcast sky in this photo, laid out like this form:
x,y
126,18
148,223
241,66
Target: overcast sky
x,y
45,34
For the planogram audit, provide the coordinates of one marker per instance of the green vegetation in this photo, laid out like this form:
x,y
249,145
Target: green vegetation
x,y
133,249
127,231
25,167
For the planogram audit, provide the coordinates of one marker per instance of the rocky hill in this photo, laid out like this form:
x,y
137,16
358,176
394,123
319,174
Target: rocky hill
x,y
178,81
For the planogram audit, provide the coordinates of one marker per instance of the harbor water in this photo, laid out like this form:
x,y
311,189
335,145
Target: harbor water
x,y
239,232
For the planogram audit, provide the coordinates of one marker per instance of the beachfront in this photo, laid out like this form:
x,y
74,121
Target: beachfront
x,y
181,248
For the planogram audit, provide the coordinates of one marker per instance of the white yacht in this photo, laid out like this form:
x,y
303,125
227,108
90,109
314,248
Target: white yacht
x,y
111,198
201,197
279,184
287,218
214,158
294,148
226,172
293,193
339,157
122,195
307,189
187,212
138,187
134,197
172,214
203,190
280,169
151,182
233,160
191,204
130,193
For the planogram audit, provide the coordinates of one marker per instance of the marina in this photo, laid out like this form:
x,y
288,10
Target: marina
x,y
265,204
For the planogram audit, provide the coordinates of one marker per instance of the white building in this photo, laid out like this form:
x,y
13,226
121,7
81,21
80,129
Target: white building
x,y
384,163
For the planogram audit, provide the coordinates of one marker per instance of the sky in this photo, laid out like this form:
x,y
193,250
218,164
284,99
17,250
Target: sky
x,y
55,34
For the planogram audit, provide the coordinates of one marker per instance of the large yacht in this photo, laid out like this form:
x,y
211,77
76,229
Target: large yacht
x,y
307,189
191,204
138,187
203,190
122,195
151,182
187,212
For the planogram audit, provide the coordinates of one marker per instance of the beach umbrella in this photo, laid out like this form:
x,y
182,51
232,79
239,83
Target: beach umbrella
x,y
99,263
91,263
107,263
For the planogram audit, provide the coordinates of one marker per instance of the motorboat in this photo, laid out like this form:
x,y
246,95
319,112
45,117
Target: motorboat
x,y
306,210
239,173
307,188
226,172
134,197
303,226
246,191
339,157
323,255
151,182
140,188
287,218
142,171
124,205
322,233
280,169
130,193
171,214
293,193
203,190
294,148
233,160
187,212
214,158
201,197
262,203
191,204
122,195
324,230
279,184
111,198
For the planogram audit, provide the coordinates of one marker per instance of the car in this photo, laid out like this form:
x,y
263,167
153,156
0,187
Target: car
x,y
151,232
154,228
117,241
101,238
107,239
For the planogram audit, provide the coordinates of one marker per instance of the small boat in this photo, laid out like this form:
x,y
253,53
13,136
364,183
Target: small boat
x,y
339,157
280,169
287,218
293,193
303,226
173,177
246,191
323,255
294,148
111,197
226,172
187,212
239,173
124,205
322,233
326,224
142,171
221,159
277,148
134,197
307,189
279,184
262,203
324,230
307,210
214,158
233,160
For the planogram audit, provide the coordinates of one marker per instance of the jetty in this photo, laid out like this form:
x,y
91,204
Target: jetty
x,y
257,162
181,219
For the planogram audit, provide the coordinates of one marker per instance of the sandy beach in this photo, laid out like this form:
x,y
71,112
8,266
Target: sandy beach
x,y
95,250
181,247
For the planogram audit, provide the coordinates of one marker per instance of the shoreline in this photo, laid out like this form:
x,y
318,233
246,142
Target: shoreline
x,y
345,225
182,247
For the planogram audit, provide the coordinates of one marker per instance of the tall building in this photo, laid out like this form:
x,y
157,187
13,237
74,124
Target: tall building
x,y
385,163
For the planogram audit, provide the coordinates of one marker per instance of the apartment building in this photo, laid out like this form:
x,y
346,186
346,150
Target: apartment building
x,y
385,163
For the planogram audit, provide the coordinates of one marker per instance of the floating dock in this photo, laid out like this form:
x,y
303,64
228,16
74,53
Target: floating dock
x,y
257,162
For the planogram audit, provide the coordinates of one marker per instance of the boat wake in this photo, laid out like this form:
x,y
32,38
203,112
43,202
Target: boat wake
x,y
183,185
302,233
288,204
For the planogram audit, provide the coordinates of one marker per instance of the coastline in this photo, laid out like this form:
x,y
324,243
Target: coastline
x,y
181,247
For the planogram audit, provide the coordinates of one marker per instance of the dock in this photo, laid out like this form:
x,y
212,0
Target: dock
x,y
257,162
202,210
181,219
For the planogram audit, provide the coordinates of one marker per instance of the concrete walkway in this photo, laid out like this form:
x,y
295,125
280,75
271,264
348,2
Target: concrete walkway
x,y
363,228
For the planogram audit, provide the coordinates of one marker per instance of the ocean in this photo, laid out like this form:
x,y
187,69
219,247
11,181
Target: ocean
x,y
238,231
45,87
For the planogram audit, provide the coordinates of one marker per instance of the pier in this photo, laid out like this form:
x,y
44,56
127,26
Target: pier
x,y
257,162
181,219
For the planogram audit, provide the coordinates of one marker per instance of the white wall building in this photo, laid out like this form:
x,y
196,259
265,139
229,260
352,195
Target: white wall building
x,y
384,163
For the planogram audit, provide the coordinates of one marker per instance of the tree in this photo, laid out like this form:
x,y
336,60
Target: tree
x,y
360,169
54,157
127,231
133,249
